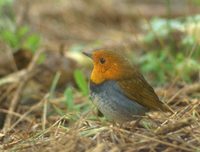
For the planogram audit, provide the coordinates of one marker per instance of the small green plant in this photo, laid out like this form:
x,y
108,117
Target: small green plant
x,y
173,57
20,38
186,67
69,99
69,102
81,82
162,30
197,2
5,2
158,63
15,36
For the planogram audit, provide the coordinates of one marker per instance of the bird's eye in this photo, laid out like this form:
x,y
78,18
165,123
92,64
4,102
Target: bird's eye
x,y
102,60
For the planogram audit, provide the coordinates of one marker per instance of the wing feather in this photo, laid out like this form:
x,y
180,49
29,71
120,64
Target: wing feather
x,y
137,89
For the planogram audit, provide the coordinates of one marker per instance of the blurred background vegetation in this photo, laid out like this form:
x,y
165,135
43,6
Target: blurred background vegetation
x,y
161,37
44,76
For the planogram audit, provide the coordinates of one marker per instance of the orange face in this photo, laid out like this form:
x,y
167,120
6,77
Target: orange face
x,y
109,65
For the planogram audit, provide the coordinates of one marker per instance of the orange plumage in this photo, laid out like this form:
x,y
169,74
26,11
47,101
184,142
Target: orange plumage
x,y
118,89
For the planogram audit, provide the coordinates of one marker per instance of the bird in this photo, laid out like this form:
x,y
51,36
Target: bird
x,y
118,89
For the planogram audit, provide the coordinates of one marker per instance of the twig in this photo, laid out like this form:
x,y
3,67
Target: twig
x,y
44,115
38,105
15,114
186,90
6,94
191,88
164,142
9,53
49,96
15,100
174,127
14,77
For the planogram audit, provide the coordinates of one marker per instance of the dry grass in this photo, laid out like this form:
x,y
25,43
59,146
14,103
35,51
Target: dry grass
x,y
157,131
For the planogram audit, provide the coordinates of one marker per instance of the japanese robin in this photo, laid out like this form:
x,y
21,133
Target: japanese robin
x,y
118,89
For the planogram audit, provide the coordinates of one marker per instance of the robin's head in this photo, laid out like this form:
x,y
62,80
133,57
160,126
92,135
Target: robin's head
x,y
108,65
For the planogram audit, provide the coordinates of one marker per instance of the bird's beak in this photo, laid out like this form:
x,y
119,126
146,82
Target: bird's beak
x,y
87,54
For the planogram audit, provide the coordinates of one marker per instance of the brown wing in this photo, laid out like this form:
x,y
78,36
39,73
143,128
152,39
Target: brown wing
x,y
137,88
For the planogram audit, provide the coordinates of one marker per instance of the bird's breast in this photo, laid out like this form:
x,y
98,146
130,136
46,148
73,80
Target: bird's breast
x,y
113,103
